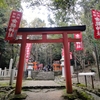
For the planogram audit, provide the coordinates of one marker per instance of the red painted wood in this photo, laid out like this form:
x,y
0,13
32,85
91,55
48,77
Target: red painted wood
x,y
74,40
44,37
44,40
67,64
21,66
47,32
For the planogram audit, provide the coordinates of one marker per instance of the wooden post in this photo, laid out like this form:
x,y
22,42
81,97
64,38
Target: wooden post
x,y
21,66
97,59
85,80
5,72
92,81
67,64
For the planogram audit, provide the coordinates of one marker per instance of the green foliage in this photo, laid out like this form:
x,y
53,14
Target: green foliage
x,y
18,96
52,4
77,94
37,22
23,23
59,8
65,13
2,4
2,34
10,4
63,4
88,38
2,95
5,47
84,95
81,85
70,96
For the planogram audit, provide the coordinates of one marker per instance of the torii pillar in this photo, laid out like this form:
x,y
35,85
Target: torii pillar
x,y
67,63
44,31
21,65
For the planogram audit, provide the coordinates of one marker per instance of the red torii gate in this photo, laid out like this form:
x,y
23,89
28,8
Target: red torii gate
x,y
44,31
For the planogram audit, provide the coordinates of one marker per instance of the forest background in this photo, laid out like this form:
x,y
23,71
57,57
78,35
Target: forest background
x,y
65,13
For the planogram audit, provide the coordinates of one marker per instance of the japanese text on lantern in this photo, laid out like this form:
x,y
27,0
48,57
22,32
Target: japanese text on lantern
x,y
13,25
96,23
78,45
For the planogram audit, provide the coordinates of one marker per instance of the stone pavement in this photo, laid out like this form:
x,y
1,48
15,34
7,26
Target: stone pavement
x,y
43,93
50,93
57,82
40,83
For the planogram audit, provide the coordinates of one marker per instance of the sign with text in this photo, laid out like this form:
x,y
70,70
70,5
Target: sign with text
x,y
62,52
96,23
27,51
70,55
13,25
78,45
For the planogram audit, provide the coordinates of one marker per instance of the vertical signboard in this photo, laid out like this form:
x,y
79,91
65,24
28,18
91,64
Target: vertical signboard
x,y
13,25
69,49
62,52
96,23
27,51
78,45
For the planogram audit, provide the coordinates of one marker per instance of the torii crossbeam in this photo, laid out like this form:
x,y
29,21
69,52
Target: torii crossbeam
x,y
44,31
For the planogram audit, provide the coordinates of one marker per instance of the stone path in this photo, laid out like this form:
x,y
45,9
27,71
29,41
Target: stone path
x,y
45,94
40,83
51,94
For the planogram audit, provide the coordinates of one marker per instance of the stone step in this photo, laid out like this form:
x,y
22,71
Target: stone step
x,y
43,75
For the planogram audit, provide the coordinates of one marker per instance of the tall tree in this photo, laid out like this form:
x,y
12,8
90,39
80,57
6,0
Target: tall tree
x,y
35,53
61,9
23,23
6,6
37,22
89,41
70,12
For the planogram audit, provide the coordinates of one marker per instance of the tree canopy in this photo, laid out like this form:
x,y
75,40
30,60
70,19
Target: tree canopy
x,y
6,50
